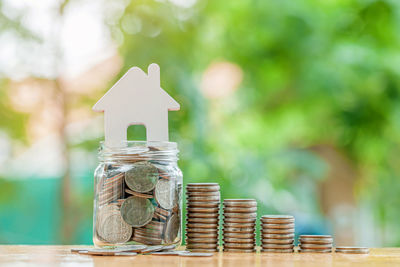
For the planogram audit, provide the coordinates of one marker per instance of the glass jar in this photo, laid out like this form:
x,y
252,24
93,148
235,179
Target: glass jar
x,y
138,195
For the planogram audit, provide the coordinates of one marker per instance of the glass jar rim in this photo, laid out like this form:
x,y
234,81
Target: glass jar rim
x,y
133,143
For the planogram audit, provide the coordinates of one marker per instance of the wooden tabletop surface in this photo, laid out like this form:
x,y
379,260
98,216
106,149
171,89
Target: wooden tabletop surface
x,y
61,256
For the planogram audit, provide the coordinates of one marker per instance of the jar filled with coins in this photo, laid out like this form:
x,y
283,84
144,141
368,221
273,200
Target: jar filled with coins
x,y
138,195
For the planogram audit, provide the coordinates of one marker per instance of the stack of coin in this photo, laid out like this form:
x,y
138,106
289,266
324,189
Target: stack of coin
x,y
352,250
202,222
277,233
316,243
240,217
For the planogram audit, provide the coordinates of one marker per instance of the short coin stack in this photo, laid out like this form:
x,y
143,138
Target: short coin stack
x,y
202,222
316,243
352,250
277,233
240,217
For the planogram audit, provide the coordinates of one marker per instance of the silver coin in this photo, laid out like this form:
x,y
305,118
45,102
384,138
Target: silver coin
x,y
77,250
172,228
165,194
352,250
278,236
142,177
316,246
132,248
137,211
278,246
202,215
239,250
238,230
153,249
114,230
278,226
101,252
125,254
240,209
167,253
240,215
202,220
273,250
238,240
202,225
277,231
277,241
203,210
195,254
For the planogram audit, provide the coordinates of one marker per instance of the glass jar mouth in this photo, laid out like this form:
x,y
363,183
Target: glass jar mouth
x,y
139,150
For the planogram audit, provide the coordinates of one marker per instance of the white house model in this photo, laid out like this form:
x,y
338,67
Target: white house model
x,y
136,98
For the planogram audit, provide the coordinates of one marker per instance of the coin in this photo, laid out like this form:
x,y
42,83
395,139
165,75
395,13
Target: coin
x,y
213,204
240,203
167,253
316,246
172,228
202,230
199,187
202,225
239,250
164,194
277,231
239,245
202,220
352,250
202,215
315,236
202,210
240,209
238,240
147,240
142,177
277,236
201,245
195,254
240,235
203,194
202,235
114,230
240,215
277,241
274,250
316,240
212,250
153,248
202,240
278,246
125,254
239,225
203,199
137,194
278,226
238,230
240,220
137,211
315,250
277,218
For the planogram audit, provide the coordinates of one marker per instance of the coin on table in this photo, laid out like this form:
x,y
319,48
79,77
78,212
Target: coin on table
x,y
142,177
114,230
315,250
125,254
132,248
137,211
172,228
273,250
164,194
195,254
352,250
166,253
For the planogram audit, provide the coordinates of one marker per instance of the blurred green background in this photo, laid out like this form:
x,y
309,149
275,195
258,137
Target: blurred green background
x,y
294,103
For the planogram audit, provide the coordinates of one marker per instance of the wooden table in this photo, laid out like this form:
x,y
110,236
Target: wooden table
x,y
61,256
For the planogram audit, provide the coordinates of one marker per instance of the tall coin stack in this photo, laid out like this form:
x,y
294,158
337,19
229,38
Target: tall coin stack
x,y
240,217
277,233
202,218
316,243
